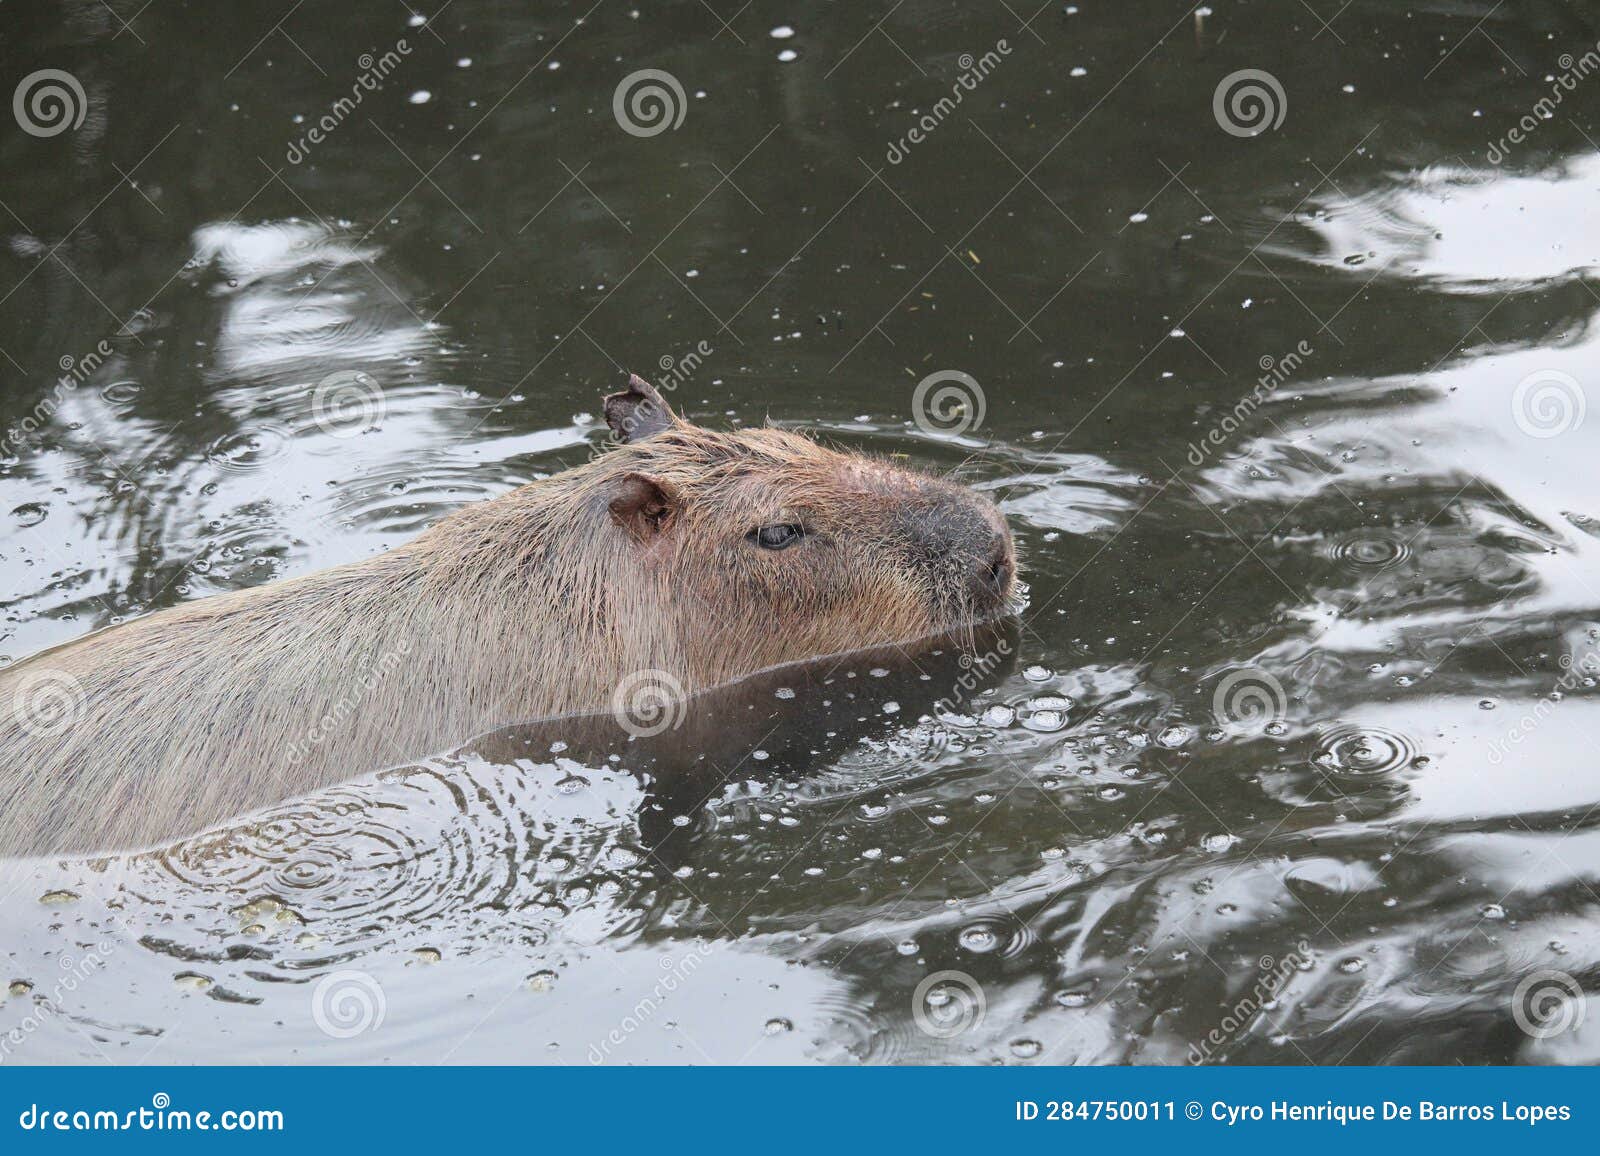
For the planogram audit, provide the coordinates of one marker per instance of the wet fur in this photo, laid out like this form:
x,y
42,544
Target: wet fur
x,y
535,604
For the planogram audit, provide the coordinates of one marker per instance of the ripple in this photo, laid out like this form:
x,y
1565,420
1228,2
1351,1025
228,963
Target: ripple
x,y
1369,550
1362,752
248,450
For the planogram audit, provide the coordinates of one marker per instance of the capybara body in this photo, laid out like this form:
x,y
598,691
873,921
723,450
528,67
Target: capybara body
x,y
679,560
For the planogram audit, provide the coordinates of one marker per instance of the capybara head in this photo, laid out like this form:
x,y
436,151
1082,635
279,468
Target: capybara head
x,y
769,548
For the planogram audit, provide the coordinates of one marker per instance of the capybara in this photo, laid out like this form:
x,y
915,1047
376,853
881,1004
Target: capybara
x,y
681,559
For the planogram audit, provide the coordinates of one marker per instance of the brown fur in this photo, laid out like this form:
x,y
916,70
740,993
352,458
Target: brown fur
x,y
534,604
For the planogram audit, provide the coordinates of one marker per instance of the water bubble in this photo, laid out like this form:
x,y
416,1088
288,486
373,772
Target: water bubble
x,y
777,1026
542,980
979,939
999,716
1026,1049
1037,673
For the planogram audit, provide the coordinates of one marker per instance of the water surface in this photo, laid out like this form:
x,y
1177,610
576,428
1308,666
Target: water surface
x,y
1292,759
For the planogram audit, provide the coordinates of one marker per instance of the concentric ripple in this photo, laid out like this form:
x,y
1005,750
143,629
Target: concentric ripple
x,y
1362,752
1370,550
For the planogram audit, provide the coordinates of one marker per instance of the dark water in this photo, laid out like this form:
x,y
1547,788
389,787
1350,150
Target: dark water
x,y
1292,758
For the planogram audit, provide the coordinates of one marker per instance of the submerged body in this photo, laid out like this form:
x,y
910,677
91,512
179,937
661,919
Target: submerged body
x,y
682,559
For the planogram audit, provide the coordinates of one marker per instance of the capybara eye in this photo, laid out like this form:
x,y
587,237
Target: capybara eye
x,y
779,537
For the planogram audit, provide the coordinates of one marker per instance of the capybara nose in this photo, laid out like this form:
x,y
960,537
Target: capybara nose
x,y
994,568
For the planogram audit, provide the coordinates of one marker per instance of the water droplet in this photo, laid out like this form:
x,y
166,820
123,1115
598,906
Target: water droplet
x,y
979,939
777,1026
542,980
1026,1049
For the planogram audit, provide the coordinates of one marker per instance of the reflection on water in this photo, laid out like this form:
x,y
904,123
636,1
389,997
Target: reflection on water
x,y
1288,758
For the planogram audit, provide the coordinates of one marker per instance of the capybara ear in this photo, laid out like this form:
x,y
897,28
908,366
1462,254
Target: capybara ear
x,y
644,506
638,411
